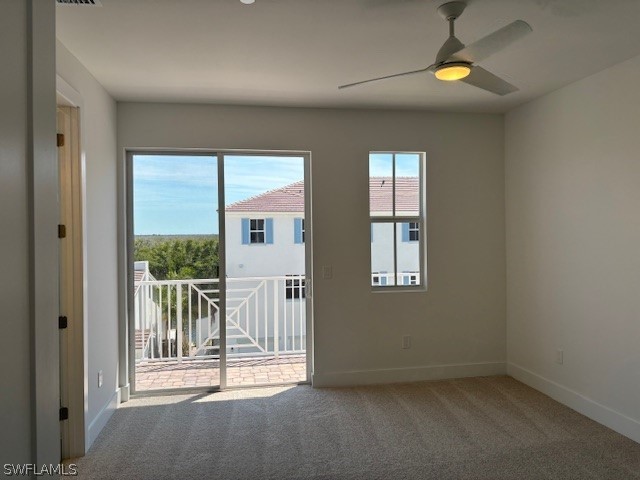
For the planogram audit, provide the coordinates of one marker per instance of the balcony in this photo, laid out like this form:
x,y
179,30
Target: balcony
x,y
177,331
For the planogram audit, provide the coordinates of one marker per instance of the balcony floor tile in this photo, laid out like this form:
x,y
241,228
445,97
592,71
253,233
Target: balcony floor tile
x,y
245,371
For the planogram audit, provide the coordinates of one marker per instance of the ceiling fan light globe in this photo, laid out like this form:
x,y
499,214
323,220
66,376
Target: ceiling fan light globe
x,y
453,72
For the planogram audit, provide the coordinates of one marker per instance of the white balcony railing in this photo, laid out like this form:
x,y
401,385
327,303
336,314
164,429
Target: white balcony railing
x,y
180,319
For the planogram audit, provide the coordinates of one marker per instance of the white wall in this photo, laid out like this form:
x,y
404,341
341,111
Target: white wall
x,y
283,257
98,117
29,372
458,326
573,243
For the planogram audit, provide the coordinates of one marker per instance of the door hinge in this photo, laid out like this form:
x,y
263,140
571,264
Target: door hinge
x,y
62,322
62,231
60,139
64,413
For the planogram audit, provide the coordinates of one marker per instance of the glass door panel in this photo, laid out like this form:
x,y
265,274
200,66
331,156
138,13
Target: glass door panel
x,y
176,325
266,269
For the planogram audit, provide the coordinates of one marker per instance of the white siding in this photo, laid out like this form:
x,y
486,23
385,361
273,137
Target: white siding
x,y
283,257
382,250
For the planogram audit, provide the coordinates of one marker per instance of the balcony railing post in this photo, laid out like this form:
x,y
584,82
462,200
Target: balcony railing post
x,y
179,322
276,319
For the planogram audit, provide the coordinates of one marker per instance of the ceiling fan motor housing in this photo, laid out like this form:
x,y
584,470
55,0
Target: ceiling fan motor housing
x,y
451,10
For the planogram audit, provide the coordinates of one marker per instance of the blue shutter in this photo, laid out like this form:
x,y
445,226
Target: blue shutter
x,y
297,230
383,278
245,231
268,230
406,279
405,232
372,233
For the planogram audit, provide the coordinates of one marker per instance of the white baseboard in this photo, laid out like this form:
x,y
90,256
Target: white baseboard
x,y
608,417
98,423
408,374
124,393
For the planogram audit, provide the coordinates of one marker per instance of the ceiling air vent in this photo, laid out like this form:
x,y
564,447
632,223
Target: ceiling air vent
x,y
88,3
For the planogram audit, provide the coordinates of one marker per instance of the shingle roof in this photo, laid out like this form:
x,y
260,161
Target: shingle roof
x,y
381,194
290,198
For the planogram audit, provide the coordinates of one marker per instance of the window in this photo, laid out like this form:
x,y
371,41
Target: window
x,y
409,278
379,278
298,230
257,231
414,232
294,288
396,209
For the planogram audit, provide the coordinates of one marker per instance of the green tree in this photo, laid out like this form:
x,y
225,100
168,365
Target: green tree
x,y
179,259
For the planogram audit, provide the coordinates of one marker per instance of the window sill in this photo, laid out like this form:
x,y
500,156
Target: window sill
x,y
400,289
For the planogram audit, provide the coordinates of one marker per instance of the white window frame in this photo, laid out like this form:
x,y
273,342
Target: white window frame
x,y
396,220
257,231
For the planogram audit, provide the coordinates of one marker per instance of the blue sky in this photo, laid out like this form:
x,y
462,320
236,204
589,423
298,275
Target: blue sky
x,y
177,195
381,165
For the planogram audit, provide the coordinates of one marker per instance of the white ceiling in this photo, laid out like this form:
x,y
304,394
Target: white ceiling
x,y
296,52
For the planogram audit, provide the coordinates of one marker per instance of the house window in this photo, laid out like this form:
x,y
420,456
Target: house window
x,y
409,278
257,231
379,278
294,287
397,216
414,231
298,230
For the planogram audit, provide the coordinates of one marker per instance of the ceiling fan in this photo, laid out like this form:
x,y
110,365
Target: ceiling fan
x,y
455,61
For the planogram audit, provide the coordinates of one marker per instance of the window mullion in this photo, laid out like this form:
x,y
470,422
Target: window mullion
x,y
395,224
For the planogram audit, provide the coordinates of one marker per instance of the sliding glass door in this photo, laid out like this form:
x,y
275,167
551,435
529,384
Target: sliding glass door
x,y
218,256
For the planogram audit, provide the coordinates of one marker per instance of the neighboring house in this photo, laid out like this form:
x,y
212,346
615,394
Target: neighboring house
x,y
266,233
407,197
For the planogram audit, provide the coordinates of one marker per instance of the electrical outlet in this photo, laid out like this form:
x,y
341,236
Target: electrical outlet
x,y
100,378
559,357
406,342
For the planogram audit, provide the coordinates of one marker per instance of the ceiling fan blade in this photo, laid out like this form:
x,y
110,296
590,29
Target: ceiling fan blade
x,y
481,78
422,70
493,43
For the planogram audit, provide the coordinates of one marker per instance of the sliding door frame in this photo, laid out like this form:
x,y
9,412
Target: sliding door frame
x,y
129,321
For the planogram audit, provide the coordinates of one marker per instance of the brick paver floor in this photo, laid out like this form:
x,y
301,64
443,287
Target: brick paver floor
x,y
206,373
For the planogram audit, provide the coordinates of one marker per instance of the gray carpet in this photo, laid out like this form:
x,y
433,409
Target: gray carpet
x,y
476,428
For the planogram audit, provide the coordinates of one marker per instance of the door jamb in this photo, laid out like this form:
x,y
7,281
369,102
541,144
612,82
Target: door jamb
x,y
75,443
